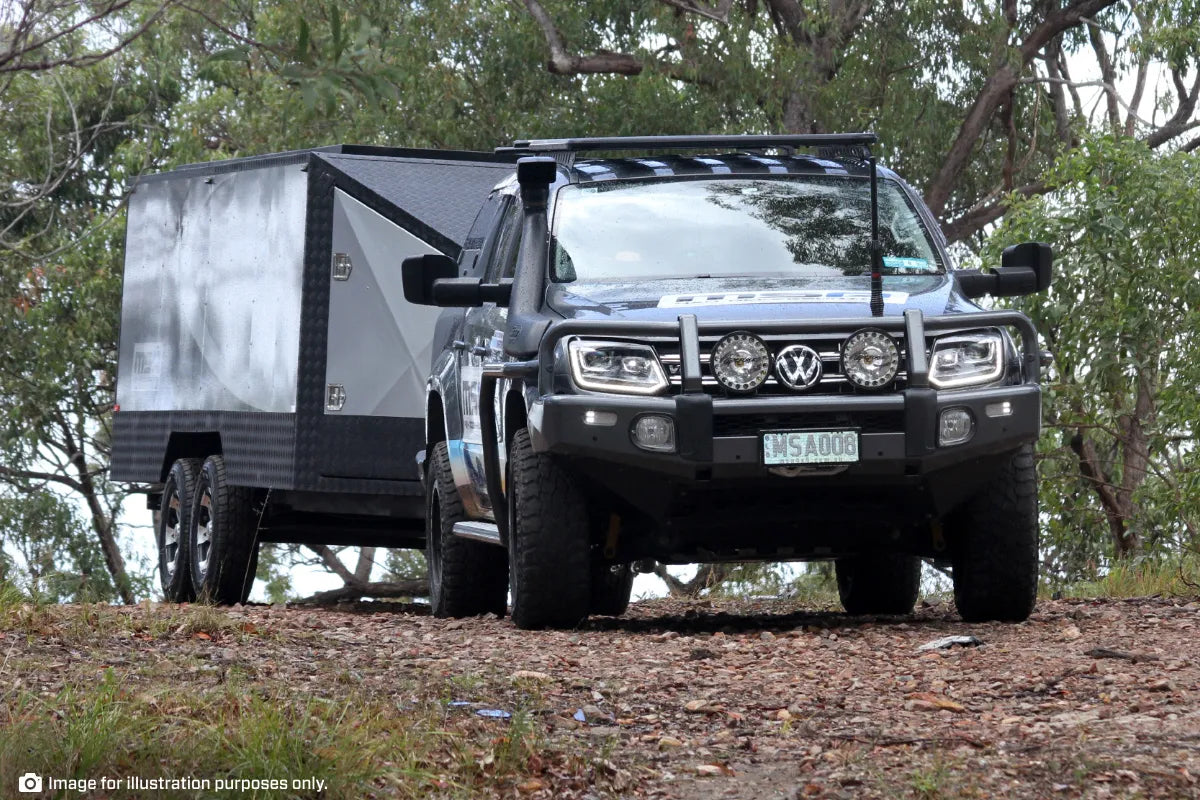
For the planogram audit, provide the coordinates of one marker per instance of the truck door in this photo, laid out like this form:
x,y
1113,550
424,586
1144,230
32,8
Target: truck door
x,y
484,337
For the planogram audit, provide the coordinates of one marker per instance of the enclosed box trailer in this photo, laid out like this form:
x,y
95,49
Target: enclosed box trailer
x,y
263,323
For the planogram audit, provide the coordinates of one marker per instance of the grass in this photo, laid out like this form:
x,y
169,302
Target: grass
x,y
147,621
1146,578
358,744
170,718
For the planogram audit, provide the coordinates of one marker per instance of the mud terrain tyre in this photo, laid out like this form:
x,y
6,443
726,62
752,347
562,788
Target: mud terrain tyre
x,y
611,590
993,541
171,531
548,547
222,541
465,577
879,583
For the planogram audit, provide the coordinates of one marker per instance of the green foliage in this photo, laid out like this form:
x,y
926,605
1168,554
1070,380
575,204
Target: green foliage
x,y
1120,318
274,572
60,559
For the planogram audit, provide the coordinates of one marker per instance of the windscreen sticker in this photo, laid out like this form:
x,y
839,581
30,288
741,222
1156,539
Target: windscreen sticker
x,y
779,296
905,264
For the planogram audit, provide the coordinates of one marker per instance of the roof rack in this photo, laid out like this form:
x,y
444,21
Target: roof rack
x,y
691,142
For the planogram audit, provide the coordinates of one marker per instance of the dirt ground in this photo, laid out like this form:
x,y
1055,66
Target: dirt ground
x,y
751,699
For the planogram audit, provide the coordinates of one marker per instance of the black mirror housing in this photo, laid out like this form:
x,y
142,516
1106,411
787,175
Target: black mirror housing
x,y
419,273
470,292
1024,269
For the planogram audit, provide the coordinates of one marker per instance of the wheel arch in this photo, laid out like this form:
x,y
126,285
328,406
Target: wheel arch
x,y
190,444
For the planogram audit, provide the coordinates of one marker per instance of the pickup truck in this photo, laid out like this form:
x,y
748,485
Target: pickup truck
x,y
722,348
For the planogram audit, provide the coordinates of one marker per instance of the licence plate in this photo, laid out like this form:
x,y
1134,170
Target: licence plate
x,y
810,447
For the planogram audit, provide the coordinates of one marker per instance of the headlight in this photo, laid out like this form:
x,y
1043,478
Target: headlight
x,y
870,359
966,359
616,367
740,362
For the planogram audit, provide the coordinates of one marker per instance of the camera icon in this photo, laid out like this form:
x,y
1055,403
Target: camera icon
x,y
29,783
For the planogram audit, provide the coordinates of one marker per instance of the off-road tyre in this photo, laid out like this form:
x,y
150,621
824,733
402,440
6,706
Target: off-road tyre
x,y
878,583
993,540
222,541
611,590
465,577
171,531
548,547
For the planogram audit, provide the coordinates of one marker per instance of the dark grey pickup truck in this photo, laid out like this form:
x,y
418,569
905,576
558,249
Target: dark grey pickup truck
x,y
762,353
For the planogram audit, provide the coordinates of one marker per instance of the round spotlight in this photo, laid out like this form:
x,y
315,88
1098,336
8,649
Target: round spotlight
x,y
740,362
870,359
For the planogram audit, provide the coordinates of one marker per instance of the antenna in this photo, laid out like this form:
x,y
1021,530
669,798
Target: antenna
x,y
876,247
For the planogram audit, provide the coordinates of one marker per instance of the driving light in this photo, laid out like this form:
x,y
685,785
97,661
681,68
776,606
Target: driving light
x,y
654,432
968,359
600,419
1001,409
740,362
870,359
616,367
955,426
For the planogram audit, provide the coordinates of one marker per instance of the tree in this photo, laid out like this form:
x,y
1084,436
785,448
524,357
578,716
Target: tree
x,y
70,99
974,102
1121,318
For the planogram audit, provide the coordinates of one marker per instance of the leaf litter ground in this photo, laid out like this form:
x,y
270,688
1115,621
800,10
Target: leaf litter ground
x,y
725,699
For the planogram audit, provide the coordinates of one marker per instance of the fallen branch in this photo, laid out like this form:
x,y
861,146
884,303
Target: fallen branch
x,y
378,590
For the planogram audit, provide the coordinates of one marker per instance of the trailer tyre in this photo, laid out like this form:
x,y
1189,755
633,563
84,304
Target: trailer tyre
x,y
223,541
612,584
548,547
465,577
171,531
879,583
993,541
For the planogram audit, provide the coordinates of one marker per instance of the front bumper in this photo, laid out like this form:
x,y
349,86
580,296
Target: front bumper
x,y
556,425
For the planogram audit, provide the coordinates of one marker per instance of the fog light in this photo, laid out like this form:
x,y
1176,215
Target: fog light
x,y
600,419
654,432
955,426
994,410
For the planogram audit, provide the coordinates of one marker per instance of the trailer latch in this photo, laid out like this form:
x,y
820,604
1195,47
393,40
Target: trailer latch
x,y
342,267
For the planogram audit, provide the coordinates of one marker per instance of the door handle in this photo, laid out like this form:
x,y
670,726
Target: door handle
x,y
479,350
458,344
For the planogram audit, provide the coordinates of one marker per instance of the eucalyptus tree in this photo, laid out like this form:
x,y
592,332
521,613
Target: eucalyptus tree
x,y
1122,320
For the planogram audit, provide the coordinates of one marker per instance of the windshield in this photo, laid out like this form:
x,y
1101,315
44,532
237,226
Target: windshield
x,y
793,226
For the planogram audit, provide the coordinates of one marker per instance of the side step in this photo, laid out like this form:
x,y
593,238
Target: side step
x,y
479,531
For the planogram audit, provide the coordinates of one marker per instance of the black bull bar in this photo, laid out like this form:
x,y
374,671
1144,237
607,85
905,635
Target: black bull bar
x,y
693,401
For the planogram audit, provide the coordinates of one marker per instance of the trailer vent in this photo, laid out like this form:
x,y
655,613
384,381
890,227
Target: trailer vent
x,y
342,267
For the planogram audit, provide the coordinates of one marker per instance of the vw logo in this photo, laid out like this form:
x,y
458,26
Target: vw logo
x,y
798,367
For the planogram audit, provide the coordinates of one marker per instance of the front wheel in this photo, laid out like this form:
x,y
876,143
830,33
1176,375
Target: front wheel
x,y
880,583
223,527
993,541
465,577
548,547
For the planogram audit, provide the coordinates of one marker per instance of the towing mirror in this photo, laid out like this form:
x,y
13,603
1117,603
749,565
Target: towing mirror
x,y
470,292
1024,269
419,273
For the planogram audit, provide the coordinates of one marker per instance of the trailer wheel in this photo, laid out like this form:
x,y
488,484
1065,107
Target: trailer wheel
x,y
171,531
223,543
612,584
993,541
465,577
548,547
879,583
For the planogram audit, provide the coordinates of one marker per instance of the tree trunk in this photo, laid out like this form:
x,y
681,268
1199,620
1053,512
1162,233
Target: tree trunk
x,y
102,521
